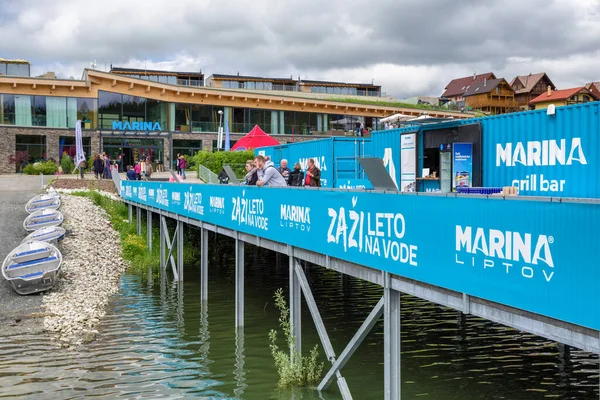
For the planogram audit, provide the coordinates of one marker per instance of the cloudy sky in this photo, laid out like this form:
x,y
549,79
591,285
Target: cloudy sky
x,y
409,47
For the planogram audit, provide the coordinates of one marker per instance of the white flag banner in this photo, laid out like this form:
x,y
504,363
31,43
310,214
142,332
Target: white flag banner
x,y
79,154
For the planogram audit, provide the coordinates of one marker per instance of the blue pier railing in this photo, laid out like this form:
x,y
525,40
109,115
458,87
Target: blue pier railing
x,y
535,255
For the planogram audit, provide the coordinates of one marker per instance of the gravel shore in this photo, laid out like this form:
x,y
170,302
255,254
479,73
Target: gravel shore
x,y
92,266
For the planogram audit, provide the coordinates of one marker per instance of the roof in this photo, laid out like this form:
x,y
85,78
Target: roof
x,y
251,78
561,95
4,60
595,84
484,86
529,82
458,86
118,70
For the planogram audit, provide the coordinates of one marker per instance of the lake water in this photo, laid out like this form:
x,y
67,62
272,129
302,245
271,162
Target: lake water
x,y
159,341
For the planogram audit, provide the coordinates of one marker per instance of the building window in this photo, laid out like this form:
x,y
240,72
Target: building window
x,y
185,147
66,144
109,108
586,98
33,146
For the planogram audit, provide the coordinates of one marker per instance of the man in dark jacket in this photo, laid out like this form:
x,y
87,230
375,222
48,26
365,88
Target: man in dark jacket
x,y
313,174
296,176
98,166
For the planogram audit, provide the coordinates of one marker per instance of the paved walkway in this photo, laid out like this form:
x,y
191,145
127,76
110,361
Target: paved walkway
x,y
18,314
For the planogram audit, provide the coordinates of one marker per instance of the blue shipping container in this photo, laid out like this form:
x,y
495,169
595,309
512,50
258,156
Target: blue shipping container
x,y
336,157
544,155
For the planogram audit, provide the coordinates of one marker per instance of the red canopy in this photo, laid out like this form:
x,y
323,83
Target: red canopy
x,y
256,138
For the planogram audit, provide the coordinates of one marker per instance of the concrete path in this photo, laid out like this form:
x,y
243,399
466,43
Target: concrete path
x,y
18,314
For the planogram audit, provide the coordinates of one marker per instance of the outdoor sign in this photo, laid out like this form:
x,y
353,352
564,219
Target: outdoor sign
x,y
408,162
136,126
506,251
462,165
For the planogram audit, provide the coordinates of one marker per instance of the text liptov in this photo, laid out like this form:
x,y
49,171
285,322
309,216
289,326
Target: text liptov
x,y
540,153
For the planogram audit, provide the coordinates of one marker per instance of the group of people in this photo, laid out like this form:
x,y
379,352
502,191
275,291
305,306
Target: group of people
x,y
101,166
262,172
180,165
141,168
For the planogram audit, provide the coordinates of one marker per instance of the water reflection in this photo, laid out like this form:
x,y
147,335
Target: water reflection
x,y
156,342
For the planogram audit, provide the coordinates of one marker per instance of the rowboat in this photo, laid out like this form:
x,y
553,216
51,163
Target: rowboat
x,y
32,267
47,234
41,202
43,218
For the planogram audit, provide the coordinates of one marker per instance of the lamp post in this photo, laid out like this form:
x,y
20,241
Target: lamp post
x,y
220,133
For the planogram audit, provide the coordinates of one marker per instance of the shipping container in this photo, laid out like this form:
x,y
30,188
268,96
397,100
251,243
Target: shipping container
x,y
336,157
541,153
545,155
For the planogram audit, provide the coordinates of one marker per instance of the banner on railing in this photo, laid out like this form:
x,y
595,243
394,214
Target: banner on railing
x,y
532,255
79,154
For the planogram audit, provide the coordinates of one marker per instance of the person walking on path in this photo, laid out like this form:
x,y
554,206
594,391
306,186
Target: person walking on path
x,y
82,166
313,174
98,166
182,165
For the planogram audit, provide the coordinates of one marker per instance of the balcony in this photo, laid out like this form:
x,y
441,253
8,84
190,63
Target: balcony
x,y
189,82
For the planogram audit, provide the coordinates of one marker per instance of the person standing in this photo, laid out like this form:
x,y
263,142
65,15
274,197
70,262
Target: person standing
x,y
313,174
98,166
270,176
82,167
131,175
177,165
106,173
138,170
284,170
296,176
182,165
252,173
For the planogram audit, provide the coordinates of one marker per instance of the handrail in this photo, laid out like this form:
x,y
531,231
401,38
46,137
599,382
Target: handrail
x,y
207,175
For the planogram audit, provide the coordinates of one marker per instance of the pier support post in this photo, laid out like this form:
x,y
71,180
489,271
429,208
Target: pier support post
x,y
295,302
130,214
180,250
149,229
239,281
162,244
138,217
204,265
316,315
391,332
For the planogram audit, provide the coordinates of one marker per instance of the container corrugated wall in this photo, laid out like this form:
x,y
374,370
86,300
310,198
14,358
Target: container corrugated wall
x,y
386,145
321,150
346,152
544,155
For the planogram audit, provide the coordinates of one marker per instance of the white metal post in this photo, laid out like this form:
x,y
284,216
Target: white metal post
x,y
295,302
391,332
180,250
239,281
149,229
204,266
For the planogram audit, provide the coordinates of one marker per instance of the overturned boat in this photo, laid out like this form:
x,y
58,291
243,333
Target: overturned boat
x,y
43,218
32,267
47,234
41,202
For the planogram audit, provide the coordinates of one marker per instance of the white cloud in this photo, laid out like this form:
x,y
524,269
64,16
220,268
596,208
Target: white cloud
x,y
408,47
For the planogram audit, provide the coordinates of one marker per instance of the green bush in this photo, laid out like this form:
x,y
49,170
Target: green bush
x,y
44,167
215,161
66,162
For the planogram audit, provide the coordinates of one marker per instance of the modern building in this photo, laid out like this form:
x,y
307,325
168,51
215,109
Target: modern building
x,y
15,67
563,97
129,114
292,85
169,77
528,87
493,96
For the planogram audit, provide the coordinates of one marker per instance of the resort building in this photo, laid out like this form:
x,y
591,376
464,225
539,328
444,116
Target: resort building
x,y
130,113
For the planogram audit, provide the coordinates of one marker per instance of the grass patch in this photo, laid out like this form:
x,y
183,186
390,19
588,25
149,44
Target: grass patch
x,y
134,247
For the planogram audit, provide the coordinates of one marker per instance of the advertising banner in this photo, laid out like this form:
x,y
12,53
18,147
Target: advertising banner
x,y
408,162
533,255
79,154
462,165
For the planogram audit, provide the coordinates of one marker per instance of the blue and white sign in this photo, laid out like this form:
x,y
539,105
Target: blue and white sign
x,y
462,165
135,126
532,255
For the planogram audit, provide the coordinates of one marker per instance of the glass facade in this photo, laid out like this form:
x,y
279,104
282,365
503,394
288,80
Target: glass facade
x,y
48,111
127,151
67,144
34,146
14,69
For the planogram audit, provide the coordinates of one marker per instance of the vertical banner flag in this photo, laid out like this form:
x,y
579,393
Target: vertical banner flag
x,y
462,165
227,139
79,154
408,162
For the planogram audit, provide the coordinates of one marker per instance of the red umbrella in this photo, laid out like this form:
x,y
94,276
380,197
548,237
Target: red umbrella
x,y
256,138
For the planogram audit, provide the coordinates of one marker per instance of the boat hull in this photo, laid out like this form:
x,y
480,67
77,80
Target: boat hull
x,y
47,234
42,219
32,267
42,201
